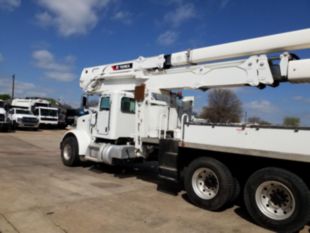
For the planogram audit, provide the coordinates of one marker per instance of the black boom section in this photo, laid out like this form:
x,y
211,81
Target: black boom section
x,y
168,159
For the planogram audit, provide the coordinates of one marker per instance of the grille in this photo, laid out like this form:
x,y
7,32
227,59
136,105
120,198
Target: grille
x,y
29,120
48,119
2,117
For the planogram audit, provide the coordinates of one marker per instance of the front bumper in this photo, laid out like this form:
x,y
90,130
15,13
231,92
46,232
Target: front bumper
x,y
48,123
27,125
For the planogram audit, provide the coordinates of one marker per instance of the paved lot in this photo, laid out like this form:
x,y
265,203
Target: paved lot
x,y
39,194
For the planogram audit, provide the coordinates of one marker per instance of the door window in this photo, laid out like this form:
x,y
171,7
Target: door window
x,y
128,105
105,104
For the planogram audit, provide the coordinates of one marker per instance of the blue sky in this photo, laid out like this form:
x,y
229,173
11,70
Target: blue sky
x,y
46,43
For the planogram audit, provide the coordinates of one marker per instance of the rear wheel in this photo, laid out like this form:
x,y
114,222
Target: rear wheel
x,y
209,183
69,152
277,199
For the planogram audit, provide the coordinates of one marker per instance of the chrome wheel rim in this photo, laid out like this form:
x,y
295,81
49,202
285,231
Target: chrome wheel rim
x,y
205,183
275,200
67,152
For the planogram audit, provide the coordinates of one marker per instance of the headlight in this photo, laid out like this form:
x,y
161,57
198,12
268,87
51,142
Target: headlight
x,y
19,119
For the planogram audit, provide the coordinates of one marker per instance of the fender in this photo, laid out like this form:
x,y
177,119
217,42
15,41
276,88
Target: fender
x,y
82,138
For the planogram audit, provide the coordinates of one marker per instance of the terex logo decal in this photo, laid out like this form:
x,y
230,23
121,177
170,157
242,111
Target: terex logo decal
x,y
122,66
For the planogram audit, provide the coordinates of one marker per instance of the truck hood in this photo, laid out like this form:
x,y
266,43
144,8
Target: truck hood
x,y
25,115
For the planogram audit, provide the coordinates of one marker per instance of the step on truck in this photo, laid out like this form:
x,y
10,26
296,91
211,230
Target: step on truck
x,y
139,115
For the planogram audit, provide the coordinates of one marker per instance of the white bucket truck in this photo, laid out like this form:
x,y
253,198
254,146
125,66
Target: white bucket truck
x,y
139,115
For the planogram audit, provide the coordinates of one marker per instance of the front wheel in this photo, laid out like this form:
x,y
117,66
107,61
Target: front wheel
x,y
209,183
69,152
277,199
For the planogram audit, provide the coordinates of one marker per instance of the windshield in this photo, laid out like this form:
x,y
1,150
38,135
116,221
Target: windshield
x,y
41,105
48,112
22,111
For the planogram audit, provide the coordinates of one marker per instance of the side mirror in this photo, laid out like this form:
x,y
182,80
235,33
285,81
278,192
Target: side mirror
x,y
139,93
84,101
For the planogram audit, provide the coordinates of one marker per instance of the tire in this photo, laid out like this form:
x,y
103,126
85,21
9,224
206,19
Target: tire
x,y
70,152
209,183
277,199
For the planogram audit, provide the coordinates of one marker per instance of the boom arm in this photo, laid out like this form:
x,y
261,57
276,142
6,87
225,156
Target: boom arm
x,y
263,45
193,68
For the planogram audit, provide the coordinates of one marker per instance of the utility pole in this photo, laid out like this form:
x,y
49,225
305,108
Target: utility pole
x,y
13,86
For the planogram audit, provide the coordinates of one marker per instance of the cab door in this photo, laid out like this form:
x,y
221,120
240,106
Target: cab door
x,y
103,117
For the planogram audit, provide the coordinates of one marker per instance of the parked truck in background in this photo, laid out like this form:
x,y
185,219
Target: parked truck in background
x,y
23,118
72,115
139,115
62,112
5,123
47,115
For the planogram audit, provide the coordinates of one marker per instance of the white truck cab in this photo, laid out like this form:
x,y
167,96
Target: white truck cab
x,y
46,115
5,123
3,119
114,122
23,118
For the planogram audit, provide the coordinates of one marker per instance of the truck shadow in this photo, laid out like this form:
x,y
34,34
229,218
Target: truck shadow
x,y
147,171
241,212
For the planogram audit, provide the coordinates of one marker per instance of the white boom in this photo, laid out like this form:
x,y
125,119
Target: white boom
x,y
201,71
263,45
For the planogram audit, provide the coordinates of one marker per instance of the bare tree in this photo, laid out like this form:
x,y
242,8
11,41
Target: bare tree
x,y
224,106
